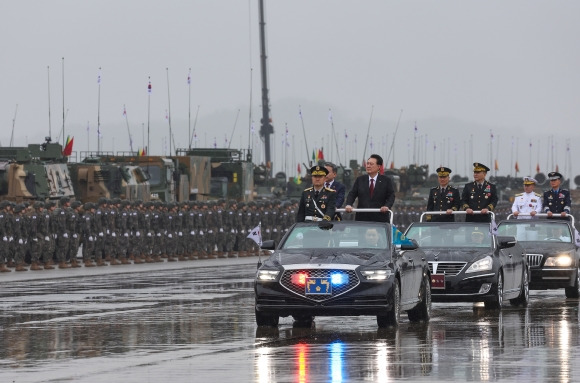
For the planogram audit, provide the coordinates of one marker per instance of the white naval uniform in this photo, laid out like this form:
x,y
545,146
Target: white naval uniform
x,y
525,203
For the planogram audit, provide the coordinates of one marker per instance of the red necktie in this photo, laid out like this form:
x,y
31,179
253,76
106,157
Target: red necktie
x,y
372,187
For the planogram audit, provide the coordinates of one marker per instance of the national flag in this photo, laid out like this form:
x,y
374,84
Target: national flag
x,y
399,238
99,77
392,164
313,156
140,152
496,165
517,167
189,77
493,228
538,168
320,154
256,235
68,146
416,130
149,87
124,111
299,169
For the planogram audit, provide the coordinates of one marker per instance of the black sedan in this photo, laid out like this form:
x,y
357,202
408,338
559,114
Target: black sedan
x,y
339,269
470,264
553,254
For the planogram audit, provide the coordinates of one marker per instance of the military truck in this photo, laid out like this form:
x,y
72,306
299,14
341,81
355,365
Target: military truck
x,y
93,179
35,172
231,172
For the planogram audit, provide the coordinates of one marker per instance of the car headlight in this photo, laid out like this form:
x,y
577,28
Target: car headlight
x,y
376,275
483,264
267,275
559,261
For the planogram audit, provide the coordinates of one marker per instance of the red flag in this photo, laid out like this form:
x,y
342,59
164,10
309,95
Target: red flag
x,y
496,165
320,154
392,164
538,168
68,147
517,167
299,169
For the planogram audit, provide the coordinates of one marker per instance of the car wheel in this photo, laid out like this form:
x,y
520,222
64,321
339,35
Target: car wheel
x,y
393,317
423,309
497,302
524,297
263,319
574,291
303,321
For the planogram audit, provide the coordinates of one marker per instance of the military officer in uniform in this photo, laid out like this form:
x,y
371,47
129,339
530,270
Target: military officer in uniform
x,y
556,200
317,202
443,198
527,202
479,195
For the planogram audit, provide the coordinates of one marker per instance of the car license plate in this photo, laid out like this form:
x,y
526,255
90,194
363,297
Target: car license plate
x,y
438,281
318,286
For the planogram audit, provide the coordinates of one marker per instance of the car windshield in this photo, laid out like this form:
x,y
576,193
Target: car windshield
x,y
340,235
534,230
450,235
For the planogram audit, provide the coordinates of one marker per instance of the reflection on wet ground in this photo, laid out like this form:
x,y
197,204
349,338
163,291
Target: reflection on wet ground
x,y
197,324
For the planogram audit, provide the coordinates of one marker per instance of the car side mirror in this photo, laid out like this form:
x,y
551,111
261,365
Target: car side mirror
x,y
506,242
409,244
268,245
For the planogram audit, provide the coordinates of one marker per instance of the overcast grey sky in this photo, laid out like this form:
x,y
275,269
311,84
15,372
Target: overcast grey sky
x,y
458,70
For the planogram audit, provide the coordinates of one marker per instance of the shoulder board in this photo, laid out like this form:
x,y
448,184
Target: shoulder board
x,y
519,195
330,190
308,189
537,195
434,188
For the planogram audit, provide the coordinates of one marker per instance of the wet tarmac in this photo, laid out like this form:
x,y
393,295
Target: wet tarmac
x,y
193,321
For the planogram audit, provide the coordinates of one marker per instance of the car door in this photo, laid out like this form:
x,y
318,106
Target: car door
x,y
408,266
508,257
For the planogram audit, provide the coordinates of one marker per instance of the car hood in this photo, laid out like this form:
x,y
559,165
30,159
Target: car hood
x,y
456,255
326,257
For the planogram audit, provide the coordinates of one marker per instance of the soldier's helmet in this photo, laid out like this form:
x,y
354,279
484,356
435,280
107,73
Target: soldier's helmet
x,y
102,201
38,205
49,204
18,208
75,204
64,200
241,205
88,206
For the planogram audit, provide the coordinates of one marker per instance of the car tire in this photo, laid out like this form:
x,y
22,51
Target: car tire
x,y
263,319
524,297
423,309
497,302
393,317
574,291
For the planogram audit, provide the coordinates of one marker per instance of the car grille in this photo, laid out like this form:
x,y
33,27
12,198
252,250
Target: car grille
x,y
447,268
535,260
286,281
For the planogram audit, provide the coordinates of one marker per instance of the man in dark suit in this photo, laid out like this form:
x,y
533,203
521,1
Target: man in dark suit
x,y
332,183
317,202
557,202
479,195
372,190
443,198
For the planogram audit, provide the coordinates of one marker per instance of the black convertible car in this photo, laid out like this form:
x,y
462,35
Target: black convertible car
x,y
470,264
553,254
342,268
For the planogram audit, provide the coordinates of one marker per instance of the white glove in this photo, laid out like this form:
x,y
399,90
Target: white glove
x,y
35,239
137,234
91,238
149,234
108,232
233,231
210,231
101,234
65,235
170,236
126,235
275,230
180,234
201,232
75,236
159,234
114,234
221,230
5,239
20,241
45,238
192,232
11,239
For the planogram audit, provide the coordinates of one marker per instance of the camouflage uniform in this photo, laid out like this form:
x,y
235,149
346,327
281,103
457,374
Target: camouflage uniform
x,y
35,235
19,227
74,225
89,234
4,244
61,233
